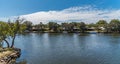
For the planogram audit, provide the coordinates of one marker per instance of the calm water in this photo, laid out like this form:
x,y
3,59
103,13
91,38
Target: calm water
x,y
48,48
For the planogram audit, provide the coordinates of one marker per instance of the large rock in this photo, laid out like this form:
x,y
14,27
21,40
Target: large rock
x,y
10,56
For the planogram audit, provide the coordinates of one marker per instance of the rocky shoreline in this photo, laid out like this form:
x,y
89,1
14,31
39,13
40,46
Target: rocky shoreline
x,y
11,57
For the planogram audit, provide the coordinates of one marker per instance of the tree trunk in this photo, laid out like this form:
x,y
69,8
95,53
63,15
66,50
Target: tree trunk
x,y
13,41
8,45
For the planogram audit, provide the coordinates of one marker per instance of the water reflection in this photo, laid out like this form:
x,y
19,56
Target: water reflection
x,y
21,62
50,48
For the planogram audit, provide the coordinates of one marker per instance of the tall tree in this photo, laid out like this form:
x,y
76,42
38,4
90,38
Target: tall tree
x,y
115,25
4,32
28,25
82,27
11,30
41,26
53,26
16,28
65,26
101,23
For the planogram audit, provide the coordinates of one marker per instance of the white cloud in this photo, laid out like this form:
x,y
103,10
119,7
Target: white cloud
x,y
12,18
3,19
87,14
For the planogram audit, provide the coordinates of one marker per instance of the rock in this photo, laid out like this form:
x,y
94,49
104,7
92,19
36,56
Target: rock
x,y
11,57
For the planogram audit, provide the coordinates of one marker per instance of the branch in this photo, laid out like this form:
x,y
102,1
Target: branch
x,y
8,45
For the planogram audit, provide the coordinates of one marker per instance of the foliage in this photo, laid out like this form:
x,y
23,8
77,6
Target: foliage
x,y
4,34
115,25
28,25
10,30
100,26
101,23
82,27
53,26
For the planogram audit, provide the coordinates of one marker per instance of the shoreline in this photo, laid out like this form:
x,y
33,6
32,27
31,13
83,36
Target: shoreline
x,y
9,55
87,32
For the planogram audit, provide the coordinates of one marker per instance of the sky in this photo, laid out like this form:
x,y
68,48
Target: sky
x,y
60,10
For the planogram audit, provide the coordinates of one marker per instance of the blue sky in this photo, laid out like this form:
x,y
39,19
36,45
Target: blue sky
x,y
88,11
21,7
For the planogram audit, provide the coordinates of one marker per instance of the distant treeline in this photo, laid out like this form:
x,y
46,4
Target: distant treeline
x,y
72,27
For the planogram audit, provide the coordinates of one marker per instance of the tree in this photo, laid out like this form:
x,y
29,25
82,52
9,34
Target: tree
x,y
82,27
4,34
11,30
41,26
102,25
16,28
71,27
28,25
115,25
53,26
65,26
91,25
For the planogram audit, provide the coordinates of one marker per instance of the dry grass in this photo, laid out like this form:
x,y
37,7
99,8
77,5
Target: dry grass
x,y
5,53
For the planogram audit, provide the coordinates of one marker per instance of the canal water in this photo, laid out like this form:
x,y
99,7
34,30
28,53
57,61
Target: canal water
x,y
55,48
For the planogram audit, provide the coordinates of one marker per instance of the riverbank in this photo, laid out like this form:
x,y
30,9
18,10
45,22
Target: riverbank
x,y
9,55
86,32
